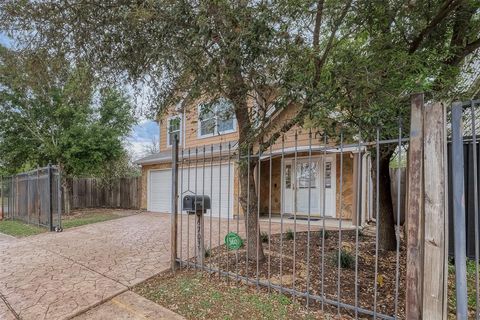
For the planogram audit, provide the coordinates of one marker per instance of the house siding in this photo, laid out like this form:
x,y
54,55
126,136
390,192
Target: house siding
x,y
190,131
347,197
296,137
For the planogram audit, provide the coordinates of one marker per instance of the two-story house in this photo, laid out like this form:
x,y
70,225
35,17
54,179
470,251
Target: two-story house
x,y
297,182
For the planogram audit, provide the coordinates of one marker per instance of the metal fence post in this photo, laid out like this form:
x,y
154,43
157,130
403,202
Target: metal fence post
x,y
458,189
174,214
1,199
50,197
59,198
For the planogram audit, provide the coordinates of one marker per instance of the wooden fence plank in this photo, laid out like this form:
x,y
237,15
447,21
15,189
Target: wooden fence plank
x,y
124,193
434,276
414,216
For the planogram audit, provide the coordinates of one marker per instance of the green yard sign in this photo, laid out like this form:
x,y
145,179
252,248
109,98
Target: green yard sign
x,y
233,241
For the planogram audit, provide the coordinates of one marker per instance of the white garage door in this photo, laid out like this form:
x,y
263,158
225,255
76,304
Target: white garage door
x,y
216,184
159,190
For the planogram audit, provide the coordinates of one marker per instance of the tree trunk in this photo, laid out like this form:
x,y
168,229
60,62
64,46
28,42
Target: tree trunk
x,y
385,221
249,203
65,190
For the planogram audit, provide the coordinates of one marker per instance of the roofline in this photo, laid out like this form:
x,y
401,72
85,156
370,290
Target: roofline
x,y
162,158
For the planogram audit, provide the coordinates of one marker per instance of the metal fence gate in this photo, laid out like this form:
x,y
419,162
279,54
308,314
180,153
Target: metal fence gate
x,y
314,199
34,197
314,205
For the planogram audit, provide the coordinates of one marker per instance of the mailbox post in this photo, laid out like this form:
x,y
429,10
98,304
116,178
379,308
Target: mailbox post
x,y
198,205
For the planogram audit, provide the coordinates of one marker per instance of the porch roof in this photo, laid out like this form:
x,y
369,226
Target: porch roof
x,y
189,153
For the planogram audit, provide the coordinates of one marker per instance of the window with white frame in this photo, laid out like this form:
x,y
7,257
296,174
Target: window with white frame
x,y
174,127
216,118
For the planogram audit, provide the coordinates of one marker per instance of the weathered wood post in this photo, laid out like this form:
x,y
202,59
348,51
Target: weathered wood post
x,y
426,278
414,214
435,237
174,214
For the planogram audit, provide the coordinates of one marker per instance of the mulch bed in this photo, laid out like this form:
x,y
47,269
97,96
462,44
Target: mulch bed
x,y
279,266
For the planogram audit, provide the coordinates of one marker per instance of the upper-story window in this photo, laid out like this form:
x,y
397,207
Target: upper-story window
x,y
174,127
216,118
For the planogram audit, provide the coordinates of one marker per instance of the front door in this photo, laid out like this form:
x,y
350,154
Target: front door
x,y
307,183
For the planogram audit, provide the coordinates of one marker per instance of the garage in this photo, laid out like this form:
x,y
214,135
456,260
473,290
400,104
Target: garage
x,y
218,184
159,190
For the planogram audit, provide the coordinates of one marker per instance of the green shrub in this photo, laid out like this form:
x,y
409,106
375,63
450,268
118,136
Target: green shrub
x,y
208,252
347,260
264,237
289,235
325,234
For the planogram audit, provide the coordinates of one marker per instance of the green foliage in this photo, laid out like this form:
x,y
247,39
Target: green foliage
x,y
264,237
471,272
208,252
289,235
52,113
326,234
347,260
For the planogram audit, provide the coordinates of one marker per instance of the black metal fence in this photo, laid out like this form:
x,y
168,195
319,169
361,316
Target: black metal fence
x,y
464,203
34,197
469,151
294,219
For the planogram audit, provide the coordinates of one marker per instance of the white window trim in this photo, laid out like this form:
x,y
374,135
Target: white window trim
x,y
179,116
199,125
216,132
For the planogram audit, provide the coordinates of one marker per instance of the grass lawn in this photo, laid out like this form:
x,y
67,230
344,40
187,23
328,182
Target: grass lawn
x,y
19,229
197,295
87,219
470,289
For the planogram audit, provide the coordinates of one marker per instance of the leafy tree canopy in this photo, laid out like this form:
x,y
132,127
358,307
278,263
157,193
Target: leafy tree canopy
x,y
348,61
52,113
338,61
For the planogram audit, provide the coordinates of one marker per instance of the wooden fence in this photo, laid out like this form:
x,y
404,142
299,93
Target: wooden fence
x,y
122,193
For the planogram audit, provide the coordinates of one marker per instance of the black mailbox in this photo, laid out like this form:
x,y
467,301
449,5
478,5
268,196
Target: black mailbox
x,y
196,204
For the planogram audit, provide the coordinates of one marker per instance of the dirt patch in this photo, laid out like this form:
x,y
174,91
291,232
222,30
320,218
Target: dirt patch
x,y
315,266
198,295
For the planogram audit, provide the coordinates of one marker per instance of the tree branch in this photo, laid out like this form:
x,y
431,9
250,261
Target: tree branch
x,y
299,117
318,24
321,61
461,54
445,9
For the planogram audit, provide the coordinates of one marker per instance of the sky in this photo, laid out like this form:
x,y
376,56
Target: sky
x,y
4,40
141,135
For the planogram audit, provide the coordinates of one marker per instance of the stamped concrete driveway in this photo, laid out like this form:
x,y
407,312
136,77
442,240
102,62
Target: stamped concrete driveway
x,y
60,275
91,268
